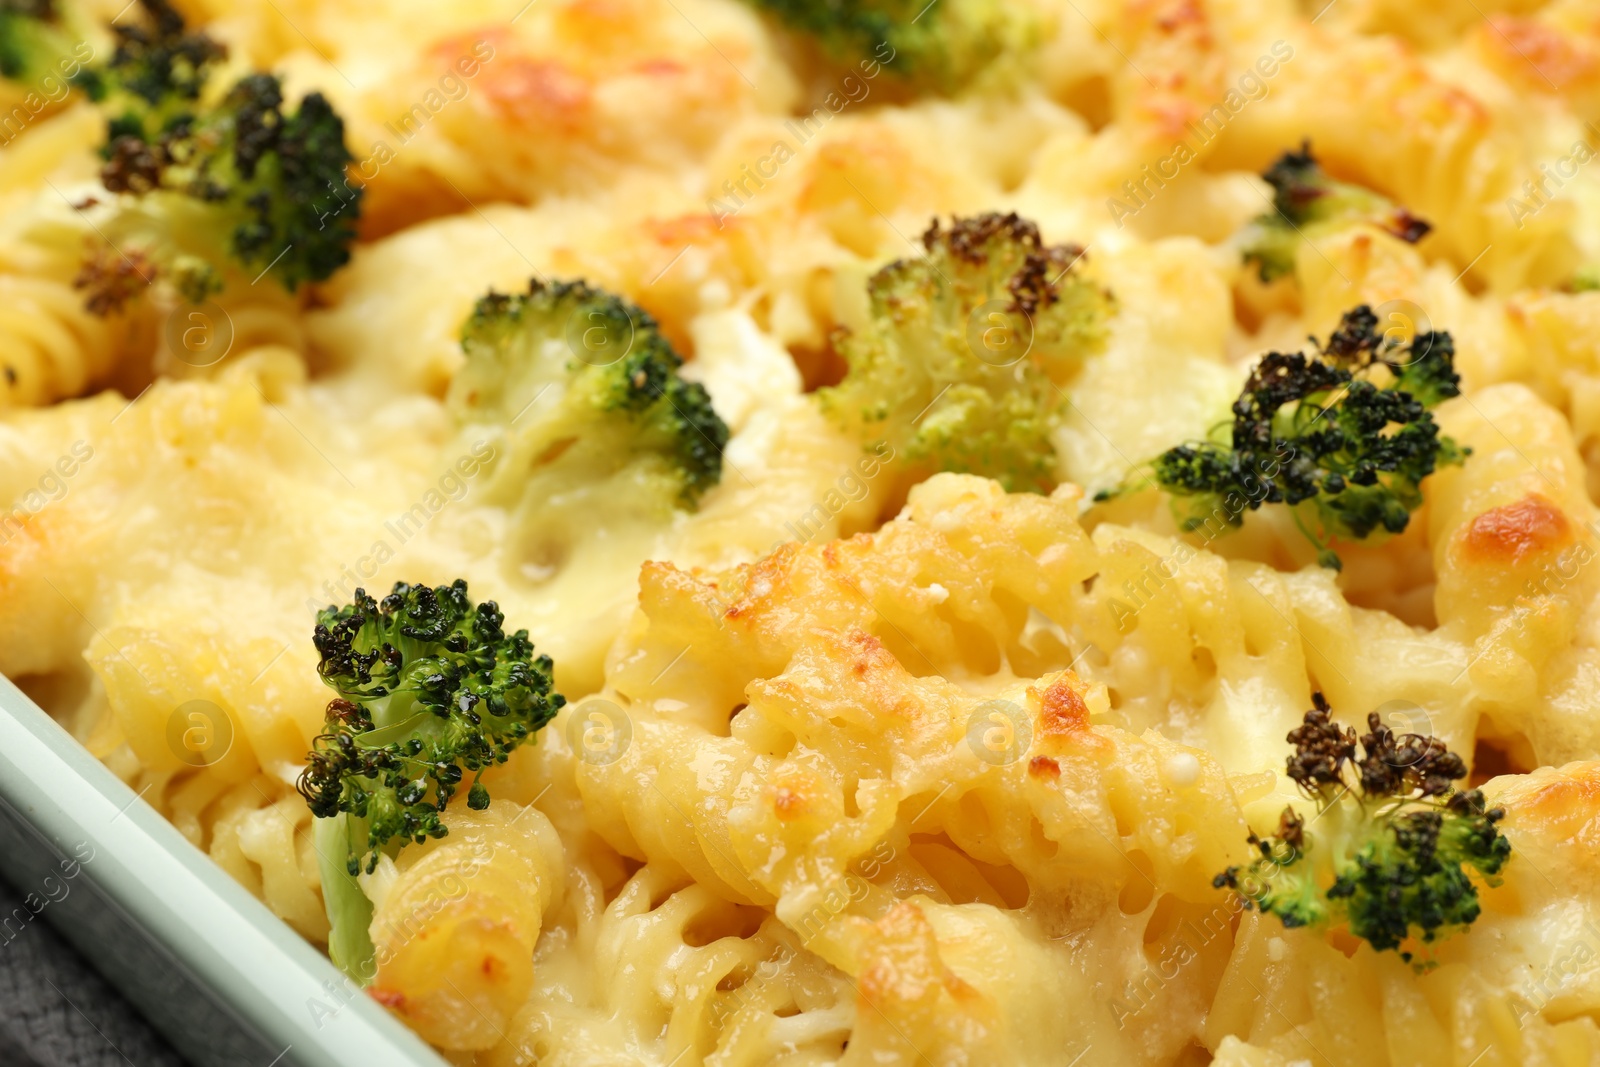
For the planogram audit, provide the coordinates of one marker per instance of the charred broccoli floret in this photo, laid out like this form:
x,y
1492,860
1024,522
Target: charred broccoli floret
x,y
1307,202
1344,437
960,368
431,687
585,391
211,179
1392,844
266,174
156,74
943,45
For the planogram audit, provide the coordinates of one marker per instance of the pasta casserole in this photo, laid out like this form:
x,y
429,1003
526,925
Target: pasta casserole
x,y
783,532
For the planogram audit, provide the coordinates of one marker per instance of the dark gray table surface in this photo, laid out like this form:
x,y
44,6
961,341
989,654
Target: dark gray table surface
x,y
55,1011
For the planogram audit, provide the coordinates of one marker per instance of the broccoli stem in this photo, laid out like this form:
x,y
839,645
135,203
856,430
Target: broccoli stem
x,y
349,911
1326,556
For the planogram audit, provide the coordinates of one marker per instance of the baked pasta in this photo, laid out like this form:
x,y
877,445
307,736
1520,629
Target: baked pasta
x,y
759,532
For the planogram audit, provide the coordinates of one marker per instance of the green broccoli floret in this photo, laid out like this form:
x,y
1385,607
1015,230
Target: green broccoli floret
x,y
267,175
1586,280
961,366
1393,844
37,43
28,32
1307,202
430,687
1320,434
214,180
155,77
586,392
944,45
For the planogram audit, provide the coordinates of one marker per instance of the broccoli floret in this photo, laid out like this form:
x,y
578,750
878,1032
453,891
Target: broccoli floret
x,y
156,75
214,179
1320,434
961,366
37,43
1586,280
944,45
1394,838
585,389
27,32
1306,202
430,687
267,174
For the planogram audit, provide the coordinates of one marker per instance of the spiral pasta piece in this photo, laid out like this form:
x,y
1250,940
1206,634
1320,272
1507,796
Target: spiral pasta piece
x,y
455,924
50,345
